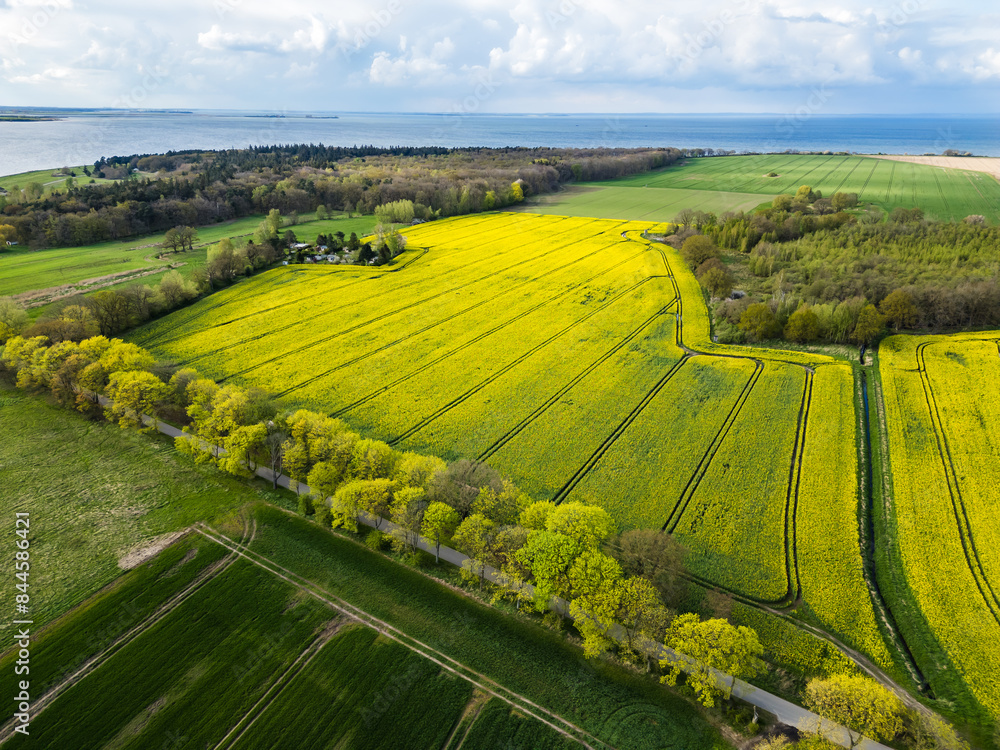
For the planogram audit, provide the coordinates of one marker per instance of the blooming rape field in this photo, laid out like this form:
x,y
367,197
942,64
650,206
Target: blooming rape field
x,y
575,356
942,415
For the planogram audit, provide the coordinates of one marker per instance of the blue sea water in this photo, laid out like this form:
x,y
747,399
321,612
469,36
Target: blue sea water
x,y
83,138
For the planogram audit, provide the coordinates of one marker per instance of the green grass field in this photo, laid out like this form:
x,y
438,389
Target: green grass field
x,y
943,194
639,202
551,347
60,271
51,179
95,493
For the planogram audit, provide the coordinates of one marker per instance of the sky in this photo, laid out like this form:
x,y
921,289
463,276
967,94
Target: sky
x,y
469,56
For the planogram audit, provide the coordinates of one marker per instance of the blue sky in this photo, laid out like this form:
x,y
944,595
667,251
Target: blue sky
x,y
836,57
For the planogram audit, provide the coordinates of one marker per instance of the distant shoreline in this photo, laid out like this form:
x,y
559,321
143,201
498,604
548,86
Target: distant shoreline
x,y
28,118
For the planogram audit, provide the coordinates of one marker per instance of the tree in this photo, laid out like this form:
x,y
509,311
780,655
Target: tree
x,y
899,310
870,326
240,444
587,525
224,262
536,515
711,644
548,555
132,394
460,484
803,325
699,248
415,470
840,201
758,322
7,234
111,311
172,240
174,289
474,537
718,281
653,554
321,213
931,732
440,522
863,706
274,446
13,318
504,507
408,507
516,192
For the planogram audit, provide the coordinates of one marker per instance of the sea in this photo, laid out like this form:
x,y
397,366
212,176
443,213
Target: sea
x,y
82,137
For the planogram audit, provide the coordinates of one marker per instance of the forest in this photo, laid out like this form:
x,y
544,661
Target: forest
x,y
153,193
807,268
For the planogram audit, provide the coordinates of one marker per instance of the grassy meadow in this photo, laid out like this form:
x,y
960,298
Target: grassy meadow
x,y
62,271
943,194
95,493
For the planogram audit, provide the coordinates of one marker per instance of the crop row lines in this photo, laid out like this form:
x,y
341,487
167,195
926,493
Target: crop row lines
x,y
511,365
700,470
457,349
555,397
378,318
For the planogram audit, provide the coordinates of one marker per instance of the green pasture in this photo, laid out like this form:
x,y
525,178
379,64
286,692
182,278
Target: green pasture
x,y
640,203
95,492
943,194
23,270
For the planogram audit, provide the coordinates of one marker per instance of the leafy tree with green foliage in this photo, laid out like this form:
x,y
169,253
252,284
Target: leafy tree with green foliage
x,y
132,394
503,507
416,470
871,325
408,507
803,325
863,706
474,537
899,310
536,515
711,644
587,525
460,484
699,248
440,522
759,323
549,556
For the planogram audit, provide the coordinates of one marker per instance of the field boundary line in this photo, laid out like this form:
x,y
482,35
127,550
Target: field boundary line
x,y
792,498
477,679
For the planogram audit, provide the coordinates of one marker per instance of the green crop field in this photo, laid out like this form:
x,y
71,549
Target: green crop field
x,y
50,179
640,202
943,194
202,647
23,270
563,351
